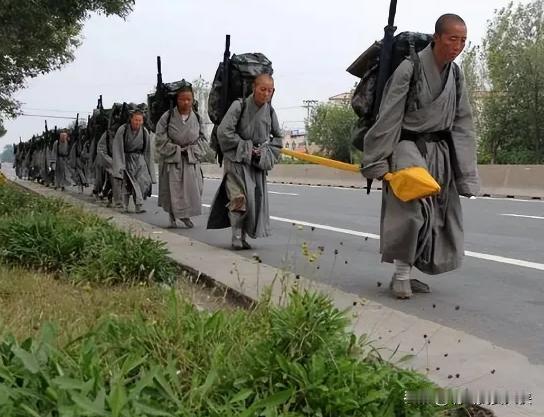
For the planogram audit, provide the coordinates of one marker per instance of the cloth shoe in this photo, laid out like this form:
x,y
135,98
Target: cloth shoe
x,y
401,289
417,286
187,222
244,242
172,219
236,226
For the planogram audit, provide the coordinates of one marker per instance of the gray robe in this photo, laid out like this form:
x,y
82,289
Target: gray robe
x,y
133,162
103,160
180,146
51,158
257,127
427,233
77,160
60,156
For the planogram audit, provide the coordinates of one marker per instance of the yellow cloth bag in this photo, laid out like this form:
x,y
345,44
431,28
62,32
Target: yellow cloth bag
x,y
2,179
412,183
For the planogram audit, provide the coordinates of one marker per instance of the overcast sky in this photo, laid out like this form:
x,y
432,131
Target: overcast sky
x,y
310,44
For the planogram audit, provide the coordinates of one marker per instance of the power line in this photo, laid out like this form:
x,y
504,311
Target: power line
x,y
45,115
57,110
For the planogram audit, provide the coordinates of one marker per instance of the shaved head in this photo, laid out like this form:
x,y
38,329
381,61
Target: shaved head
x,y
261,78
263,89
444,21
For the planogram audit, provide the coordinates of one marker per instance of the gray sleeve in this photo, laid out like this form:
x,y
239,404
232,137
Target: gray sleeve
x,y
167,150
228,138
464,140
276,132
382,137
118,153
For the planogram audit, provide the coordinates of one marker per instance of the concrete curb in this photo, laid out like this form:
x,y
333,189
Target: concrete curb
x,y
449,357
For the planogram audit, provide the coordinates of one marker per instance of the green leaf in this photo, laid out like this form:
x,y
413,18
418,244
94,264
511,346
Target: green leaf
x,y
87,406
152,411
29,360
241,396
117,398
167,388
29,410
66,383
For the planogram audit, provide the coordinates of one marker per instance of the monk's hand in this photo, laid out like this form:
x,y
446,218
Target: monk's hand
x,y
256,152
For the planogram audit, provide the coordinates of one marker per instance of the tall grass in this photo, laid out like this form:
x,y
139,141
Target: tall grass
x,y
293,361
49,235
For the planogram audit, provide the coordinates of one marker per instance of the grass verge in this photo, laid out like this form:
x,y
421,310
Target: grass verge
x,y
82,348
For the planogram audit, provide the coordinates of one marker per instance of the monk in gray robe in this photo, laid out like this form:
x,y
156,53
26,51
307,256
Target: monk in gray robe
x,y
432,129
105,185
60,158
180,142
133,162
250,138
78,160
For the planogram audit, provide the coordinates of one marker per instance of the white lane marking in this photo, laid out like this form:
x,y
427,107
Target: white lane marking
x,y
325,227
510,261
277,192
511,199
488,257
478,255
523,216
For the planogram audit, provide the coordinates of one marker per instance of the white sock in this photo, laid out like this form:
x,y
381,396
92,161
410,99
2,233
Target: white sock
x,y
402,270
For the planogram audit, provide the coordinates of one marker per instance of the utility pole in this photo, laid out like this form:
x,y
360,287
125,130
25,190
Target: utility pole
x,y
308,104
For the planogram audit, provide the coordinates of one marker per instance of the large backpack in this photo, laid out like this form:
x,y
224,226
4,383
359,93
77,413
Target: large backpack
x,y
366,67
120,113
242,70
164,99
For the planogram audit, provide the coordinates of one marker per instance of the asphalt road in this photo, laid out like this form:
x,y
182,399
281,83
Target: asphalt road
x,y
498,293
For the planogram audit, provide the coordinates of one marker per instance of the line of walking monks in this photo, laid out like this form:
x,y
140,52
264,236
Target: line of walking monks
x,y
115,154
424,120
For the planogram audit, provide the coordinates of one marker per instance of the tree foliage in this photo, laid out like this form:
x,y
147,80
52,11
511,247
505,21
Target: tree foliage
x,y
7,154
509,70
40,36
330,127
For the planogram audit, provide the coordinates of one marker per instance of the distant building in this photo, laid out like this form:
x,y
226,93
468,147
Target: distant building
x,y
342,99
295,140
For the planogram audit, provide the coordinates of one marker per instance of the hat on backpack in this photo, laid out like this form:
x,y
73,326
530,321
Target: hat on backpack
x,y
412,183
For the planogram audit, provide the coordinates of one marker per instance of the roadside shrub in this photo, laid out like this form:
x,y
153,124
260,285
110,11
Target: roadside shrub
x,y
49,235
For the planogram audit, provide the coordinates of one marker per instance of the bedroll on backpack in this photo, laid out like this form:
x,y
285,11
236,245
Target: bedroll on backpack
x,y
242,70
366,67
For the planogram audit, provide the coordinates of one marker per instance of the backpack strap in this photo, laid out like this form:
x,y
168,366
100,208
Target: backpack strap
x,y
169,117
458,86
125,135
412,101
244,108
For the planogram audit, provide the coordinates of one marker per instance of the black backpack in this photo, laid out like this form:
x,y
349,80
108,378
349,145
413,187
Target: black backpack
x,y
242,70
120,114
164,99
366,67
